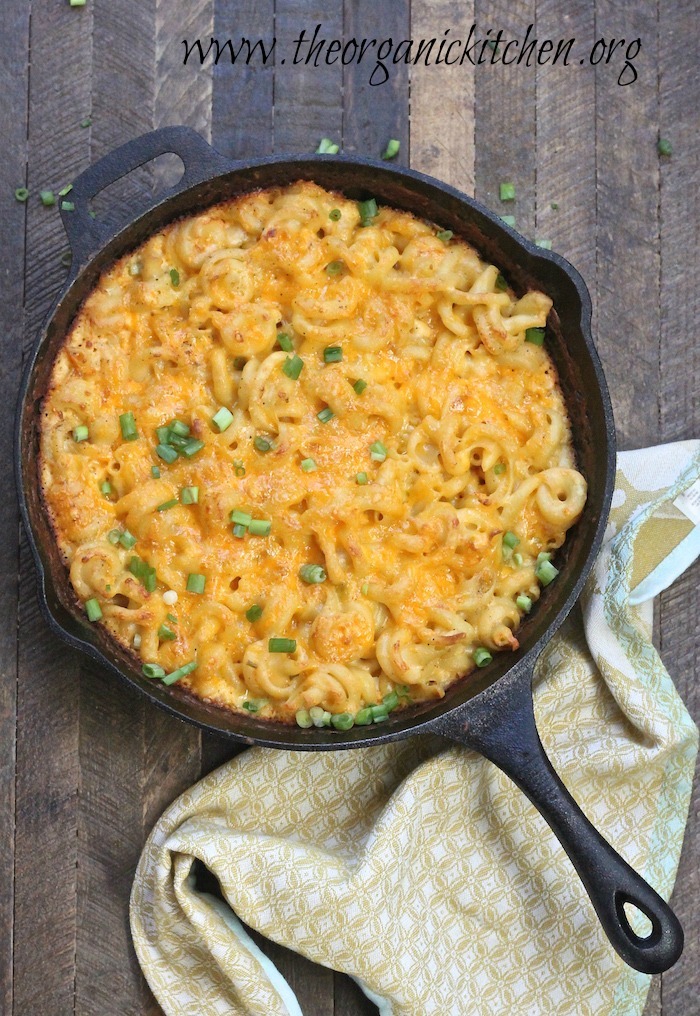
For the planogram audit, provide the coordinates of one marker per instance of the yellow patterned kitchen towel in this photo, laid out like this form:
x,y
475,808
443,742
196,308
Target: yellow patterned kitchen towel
x,y
417,867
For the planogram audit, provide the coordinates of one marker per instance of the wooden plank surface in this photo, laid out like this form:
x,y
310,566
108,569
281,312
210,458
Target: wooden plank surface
x,y
14,78
94,765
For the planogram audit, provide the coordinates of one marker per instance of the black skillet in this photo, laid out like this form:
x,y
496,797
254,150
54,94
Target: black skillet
x,y
492,713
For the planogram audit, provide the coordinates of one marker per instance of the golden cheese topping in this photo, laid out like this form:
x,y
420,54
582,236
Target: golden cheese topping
x,y
304,455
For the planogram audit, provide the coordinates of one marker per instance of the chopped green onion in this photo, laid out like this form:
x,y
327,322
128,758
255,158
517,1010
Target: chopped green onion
x,y
506,191
320,717
377,451
509,220
368,211
312,574
535,336
144,573
260,527
554,206
327,147
238,467
195,582
87,122
77,3
499,468
114,536
379,713
510,540
284,342
325,415
65,190
171,618
308,465
303,718
192,447
180,672
391,700
482,657
174,277
176,441
66,259
93,610
334,214
81,433
664,147
67,206
179,428
153,670
292,367
128,426
335,267
363,717
544,244
359,386
239,531
163,435
240,518
127,540
518,560
343,721
254,705
189,495
21,194
222,419
332,354
523,603
262,444
47,198
501,284
391,149
254,613
282,646
167,504
546,572
445,235
166,634
155,472
106,488
362,479
544,555
364,589
166,453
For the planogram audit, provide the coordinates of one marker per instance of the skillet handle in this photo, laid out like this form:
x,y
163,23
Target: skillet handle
x,y
200,160
504,731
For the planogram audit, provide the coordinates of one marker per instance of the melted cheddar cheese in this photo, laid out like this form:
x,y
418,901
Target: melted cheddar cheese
x,y
396,462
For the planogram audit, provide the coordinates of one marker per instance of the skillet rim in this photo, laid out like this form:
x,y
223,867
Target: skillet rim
x,y
269,733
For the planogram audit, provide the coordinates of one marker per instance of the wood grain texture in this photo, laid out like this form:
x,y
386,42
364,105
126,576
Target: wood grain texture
x,y
14,24
442,99
376,110
48,683
679,98
627,286
505,135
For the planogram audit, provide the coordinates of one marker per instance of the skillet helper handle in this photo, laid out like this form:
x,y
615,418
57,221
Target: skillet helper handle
x,y
507,735
200,160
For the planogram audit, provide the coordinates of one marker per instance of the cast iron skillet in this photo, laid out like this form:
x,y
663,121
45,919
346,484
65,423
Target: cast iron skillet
x,y
492,713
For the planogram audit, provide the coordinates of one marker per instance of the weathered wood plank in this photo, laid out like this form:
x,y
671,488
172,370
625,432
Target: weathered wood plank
x,y
242,109
308,98
442,99
376,93
628,227
565,151
679,56
14,82
505,120
48,699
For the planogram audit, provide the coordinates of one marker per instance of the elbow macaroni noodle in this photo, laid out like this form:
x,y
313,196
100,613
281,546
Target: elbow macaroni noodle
x,y
459,437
